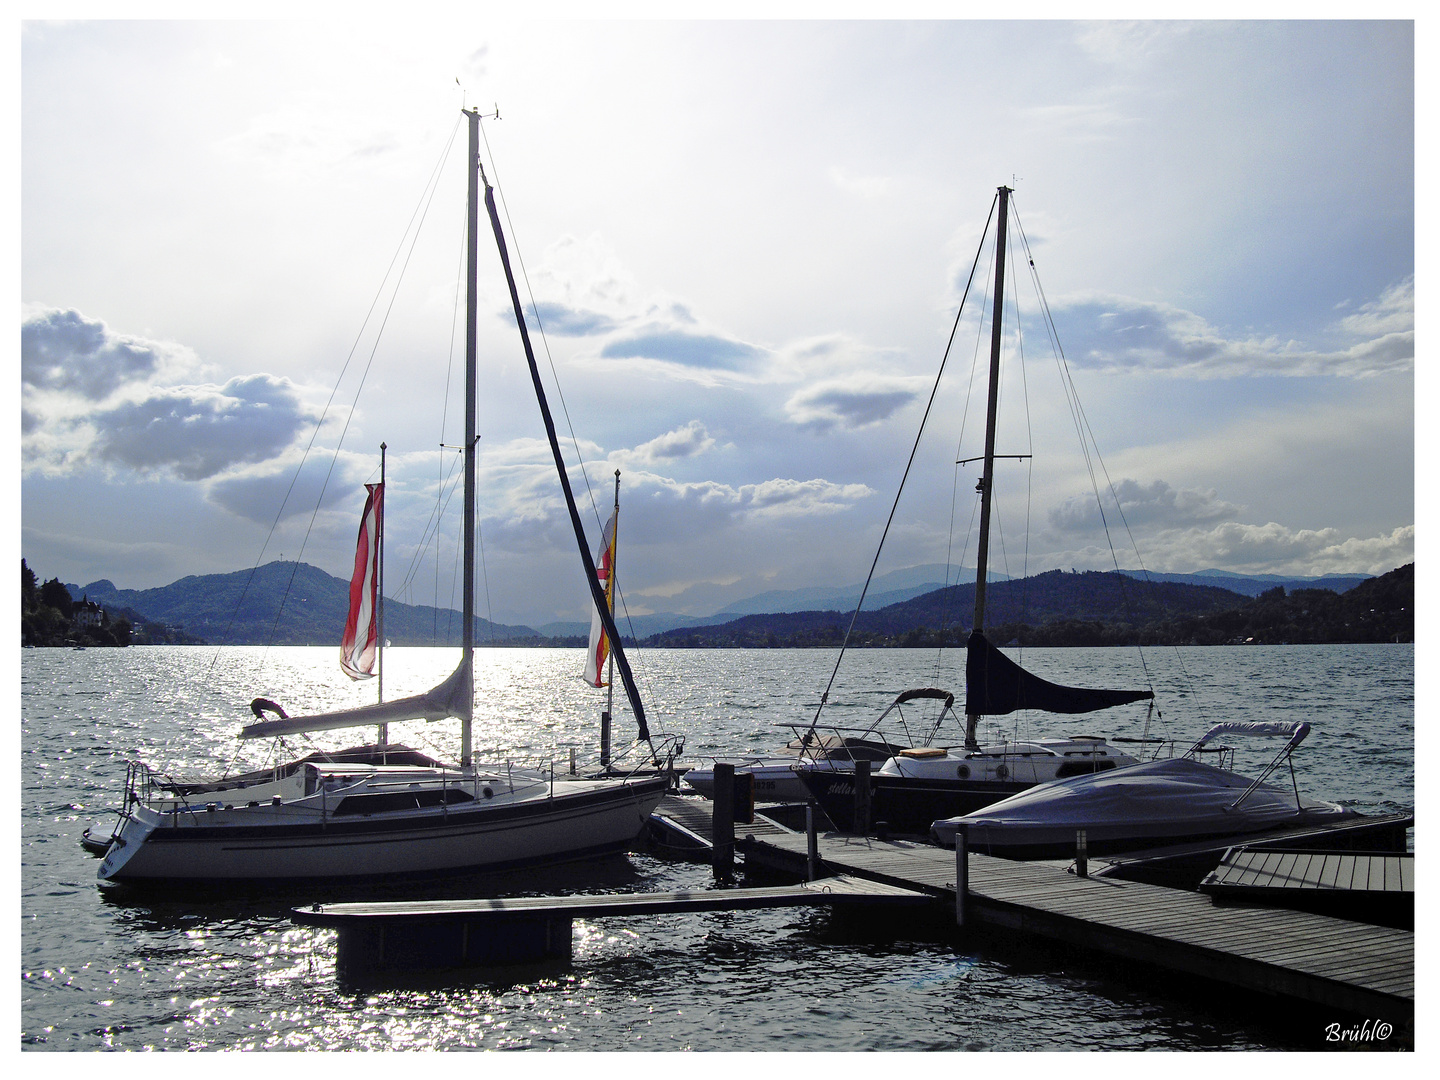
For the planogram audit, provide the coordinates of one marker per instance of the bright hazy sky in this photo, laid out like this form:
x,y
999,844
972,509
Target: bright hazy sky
x,y
747,241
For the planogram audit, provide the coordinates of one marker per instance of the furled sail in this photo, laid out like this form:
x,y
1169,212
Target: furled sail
x,y
361,637
599,649
995,685
444,701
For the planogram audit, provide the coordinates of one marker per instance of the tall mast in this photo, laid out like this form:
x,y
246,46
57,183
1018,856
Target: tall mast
x,y
982,558
472,258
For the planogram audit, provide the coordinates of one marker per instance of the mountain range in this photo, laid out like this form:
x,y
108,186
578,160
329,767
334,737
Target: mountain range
x,y
292,603
901,585
287,603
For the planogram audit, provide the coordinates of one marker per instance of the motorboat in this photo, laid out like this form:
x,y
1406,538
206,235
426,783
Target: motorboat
x,y
381,810
1149,804
780,777
916,786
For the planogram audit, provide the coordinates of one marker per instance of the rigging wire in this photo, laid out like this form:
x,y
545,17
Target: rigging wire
x,y
422,207
457,460
935,389
1019,324
555,376
1088,441
350,416
977,358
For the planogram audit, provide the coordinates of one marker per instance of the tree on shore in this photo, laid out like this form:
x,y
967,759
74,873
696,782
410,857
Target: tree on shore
x,y
49,615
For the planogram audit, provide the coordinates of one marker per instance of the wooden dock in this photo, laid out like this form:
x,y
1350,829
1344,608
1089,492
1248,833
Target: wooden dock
x,y
1356,968
408,936
1378,885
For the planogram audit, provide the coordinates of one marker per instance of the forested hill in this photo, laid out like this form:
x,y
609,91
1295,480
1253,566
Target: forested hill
x,y
1086,596
1091,608
288,603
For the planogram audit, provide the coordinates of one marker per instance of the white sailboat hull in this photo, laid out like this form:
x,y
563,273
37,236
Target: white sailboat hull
x,y
290,843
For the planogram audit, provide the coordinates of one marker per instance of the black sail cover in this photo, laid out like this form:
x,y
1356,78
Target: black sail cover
x,y
995,684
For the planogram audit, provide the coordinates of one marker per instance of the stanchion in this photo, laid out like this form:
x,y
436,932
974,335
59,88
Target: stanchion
x,y
812,844
962,872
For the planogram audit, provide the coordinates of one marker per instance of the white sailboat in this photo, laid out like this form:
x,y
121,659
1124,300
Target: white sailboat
x,y
914,787
377,810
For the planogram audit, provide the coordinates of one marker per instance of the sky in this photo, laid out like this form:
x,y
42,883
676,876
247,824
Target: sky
x,y
746,242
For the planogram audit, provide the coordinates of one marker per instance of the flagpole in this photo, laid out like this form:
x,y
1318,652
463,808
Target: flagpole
x,y
380,599
610,652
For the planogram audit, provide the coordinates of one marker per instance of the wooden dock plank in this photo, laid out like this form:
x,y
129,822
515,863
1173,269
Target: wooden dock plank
x,y
839,889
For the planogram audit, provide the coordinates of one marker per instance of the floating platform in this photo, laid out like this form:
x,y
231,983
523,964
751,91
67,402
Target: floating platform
x,y
408,936
1367,886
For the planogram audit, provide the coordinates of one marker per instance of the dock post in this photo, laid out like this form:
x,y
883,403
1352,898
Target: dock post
x,y
862,798
722,826
812,844
962,872
1082,865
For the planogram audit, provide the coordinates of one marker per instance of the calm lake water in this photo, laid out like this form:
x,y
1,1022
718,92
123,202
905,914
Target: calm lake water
x,y
101,969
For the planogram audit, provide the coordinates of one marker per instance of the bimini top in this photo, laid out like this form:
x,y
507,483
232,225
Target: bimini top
x,y
1295,730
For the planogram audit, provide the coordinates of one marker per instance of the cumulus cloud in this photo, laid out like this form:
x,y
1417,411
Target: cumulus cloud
x,y
523,498
1152,504
1392,314
1122,334
91,396
66,352
858,401
281,488
682,442
199,431
771,498
683,347
568,321
1271,548
1275,548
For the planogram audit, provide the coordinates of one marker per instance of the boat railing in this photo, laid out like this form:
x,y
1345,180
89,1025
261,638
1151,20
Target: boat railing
x,y
1164,749
831,742
145,786
632,761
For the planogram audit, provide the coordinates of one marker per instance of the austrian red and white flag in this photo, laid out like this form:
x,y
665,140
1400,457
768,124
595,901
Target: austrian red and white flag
x,y
599,650
357,647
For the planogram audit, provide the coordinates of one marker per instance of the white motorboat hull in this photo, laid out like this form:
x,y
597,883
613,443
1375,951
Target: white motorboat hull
x,y
582,817
775,779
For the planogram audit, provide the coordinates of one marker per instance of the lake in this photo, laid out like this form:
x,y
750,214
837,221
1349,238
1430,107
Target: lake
x,y
101,969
